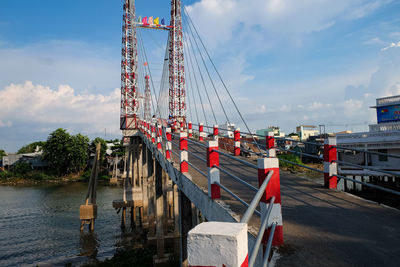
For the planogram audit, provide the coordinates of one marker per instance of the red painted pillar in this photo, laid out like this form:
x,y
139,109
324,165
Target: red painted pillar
x,y
214,190
159,137
190,131
201,129
215,132
153,134
330,165
168,146
273,189
183,146
270,145
236,139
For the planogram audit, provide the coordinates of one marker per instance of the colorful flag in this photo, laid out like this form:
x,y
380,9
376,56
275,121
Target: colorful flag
x,y
150,20
145,64
144,20
162,21
157,21
139,19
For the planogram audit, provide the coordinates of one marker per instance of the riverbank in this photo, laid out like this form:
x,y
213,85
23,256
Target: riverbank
x,y
41,177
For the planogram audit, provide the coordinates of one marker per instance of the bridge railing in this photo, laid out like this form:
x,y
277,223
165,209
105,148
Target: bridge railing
x,y
266,170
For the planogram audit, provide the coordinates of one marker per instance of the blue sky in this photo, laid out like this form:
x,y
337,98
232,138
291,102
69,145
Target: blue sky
x,y
286,62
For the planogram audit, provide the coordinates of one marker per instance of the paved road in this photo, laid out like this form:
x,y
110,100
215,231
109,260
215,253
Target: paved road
x,y
321,227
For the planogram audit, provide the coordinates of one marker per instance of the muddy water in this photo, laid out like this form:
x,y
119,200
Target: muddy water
x,y
40,224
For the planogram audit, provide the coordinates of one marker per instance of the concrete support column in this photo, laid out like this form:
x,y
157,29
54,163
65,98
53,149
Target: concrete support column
x,y
214,190
215,132
201,131
151,193
145,196
218,244
177,243
270,145
330,164
186,224
190,131
168,146
183,147
236,139
266,165
159,199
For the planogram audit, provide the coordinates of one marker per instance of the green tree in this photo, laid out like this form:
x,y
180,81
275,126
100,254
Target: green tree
x,y
31,147
65,153
118,149
2,153
103,148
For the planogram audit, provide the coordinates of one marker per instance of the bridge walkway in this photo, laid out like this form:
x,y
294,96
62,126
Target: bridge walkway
x,y
321,227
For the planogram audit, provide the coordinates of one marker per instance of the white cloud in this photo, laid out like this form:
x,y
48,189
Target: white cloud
x,y
62,107
392,45
266,22
84,66
5,123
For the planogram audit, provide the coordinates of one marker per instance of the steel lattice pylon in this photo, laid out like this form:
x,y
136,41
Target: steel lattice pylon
x,y
147,100
177,106
129,97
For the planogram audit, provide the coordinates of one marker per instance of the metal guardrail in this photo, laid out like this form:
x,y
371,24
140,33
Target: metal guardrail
x,y
343,163
368,151
235,158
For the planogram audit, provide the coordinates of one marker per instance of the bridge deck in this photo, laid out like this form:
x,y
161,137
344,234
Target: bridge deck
x,y
321,227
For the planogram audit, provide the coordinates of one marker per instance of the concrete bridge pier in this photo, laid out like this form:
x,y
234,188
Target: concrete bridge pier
x,y
144,180
151,193
186,224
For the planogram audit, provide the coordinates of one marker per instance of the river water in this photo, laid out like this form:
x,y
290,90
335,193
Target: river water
x,y
40,225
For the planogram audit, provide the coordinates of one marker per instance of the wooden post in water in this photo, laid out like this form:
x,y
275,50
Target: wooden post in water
x,y
88,211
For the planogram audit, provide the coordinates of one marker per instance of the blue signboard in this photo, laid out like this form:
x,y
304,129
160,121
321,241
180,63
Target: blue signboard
x,y
388,113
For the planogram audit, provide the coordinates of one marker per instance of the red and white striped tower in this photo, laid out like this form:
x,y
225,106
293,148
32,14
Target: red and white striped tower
x,y
201,129
147,99
236,139
214,190
129,96
330,165
215,132
159,137
177,106
190,130
273,189
270,145
168,146
183,147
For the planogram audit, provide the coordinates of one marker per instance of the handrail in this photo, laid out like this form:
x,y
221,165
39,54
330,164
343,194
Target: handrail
x,y
250,210
194,155
197,169
367,167
300,153
236,197
370,185
235,158
237,178
269,245
367,151
300,165
254,252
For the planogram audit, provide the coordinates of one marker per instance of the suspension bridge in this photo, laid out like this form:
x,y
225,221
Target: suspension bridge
x,y
214,192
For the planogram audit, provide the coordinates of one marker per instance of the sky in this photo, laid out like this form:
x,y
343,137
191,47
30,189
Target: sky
x,y
285,62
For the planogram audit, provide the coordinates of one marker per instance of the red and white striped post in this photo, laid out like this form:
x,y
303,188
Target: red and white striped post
x,y
214,190
159,137
215,132
168,146
218,244
183,146
236,139
190,131
270,145
153,133
201,129
148,130
330,164
273,189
